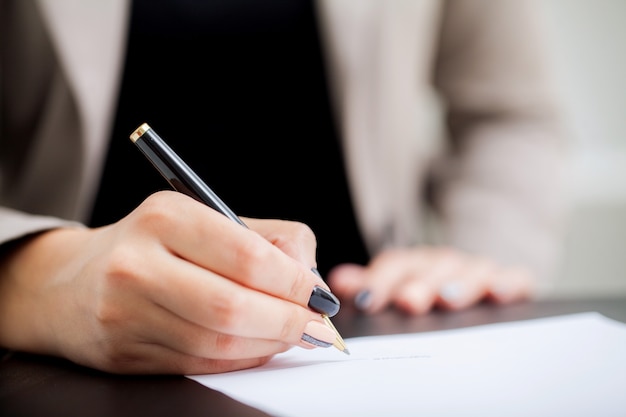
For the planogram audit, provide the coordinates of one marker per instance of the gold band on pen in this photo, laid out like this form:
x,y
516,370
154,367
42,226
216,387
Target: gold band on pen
x,y
139,132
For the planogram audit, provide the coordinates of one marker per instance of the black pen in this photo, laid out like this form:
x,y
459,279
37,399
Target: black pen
x,y
183,179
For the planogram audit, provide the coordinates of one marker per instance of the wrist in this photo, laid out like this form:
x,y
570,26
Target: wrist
x,y
29,269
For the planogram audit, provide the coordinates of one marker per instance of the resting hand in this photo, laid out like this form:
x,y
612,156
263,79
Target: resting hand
x,y
419,279
174,287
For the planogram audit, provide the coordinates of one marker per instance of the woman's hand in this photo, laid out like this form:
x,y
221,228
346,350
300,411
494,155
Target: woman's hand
x,y
419,279
174,287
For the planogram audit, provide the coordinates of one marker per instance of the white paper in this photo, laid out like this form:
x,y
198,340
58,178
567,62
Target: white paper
x,y
572,365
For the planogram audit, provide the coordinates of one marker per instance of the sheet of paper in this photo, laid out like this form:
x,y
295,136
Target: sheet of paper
x,y
573,365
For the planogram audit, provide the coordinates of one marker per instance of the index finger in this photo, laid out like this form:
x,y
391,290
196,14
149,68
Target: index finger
x,y
203,236
296,239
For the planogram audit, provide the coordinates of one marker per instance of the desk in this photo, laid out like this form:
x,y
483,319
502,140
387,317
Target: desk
x,y
41,386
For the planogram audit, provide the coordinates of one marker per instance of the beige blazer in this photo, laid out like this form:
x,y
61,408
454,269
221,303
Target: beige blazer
x,y
450,94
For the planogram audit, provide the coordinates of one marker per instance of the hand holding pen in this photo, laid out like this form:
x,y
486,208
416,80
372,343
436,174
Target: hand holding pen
x,y
183,179
175,287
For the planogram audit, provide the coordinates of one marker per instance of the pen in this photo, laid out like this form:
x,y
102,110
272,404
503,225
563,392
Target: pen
x,y
183,179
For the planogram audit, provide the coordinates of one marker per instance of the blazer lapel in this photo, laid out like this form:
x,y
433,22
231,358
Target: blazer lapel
x,y
90,38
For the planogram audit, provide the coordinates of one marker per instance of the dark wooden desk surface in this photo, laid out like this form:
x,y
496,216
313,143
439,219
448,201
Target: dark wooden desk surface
x,y
42,386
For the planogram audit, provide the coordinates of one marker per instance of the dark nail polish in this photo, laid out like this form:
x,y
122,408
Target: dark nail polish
x,y
363,299
324,302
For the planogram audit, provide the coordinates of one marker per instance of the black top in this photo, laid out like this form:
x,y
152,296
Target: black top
x,y
247,77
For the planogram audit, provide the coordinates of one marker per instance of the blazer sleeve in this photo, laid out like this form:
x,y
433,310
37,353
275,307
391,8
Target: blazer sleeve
x,y
16,224
38,173
500,189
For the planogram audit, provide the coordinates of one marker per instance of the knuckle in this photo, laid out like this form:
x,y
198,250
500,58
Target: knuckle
x,y
229,311
302,232
121,264
108,315
300,281
297,240
157,212
292,230
122,273
111,350
291,330
251,253
228,344
117,358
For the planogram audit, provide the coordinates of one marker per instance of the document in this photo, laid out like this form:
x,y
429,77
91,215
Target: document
x,y
572,365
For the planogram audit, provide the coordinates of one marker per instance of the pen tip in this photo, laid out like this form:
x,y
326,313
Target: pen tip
x,y
346,351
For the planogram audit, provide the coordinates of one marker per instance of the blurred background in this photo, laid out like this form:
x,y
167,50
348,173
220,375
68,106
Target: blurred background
x,y
588,40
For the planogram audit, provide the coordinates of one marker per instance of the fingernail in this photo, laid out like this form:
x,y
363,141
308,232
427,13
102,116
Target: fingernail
x,y
363,299
318,334
323,301
451,292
